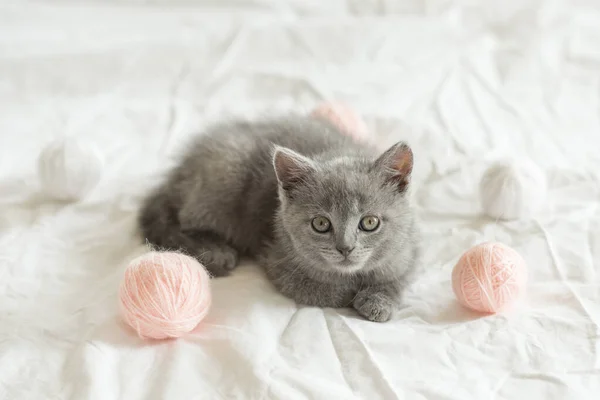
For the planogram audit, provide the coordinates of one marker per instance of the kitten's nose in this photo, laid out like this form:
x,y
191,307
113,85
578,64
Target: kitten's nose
x,y
344,250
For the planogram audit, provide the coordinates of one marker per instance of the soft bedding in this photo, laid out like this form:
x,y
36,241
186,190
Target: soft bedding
x,y
464,82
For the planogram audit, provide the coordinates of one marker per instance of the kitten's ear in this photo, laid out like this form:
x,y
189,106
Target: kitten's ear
x,y
291,168
396,163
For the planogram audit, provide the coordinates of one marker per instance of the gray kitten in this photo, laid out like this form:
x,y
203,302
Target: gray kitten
x,y
328,218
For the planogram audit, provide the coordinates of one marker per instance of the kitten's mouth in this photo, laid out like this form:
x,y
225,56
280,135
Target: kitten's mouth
x,y
346,263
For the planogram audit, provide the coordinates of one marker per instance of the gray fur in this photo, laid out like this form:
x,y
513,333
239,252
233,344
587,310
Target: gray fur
x,y
252,189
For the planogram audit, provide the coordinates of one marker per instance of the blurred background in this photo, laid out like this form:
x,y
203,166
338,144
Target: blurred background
x,y
452,76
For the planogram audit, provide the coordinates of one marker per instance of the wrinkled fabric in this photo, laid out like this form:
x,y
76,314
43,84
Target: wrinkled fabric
x,y
463,82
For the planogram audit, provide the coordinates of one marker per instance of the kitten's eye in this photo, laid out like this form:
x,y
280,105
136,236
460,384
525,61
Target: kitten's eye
x,y
321,224
369,223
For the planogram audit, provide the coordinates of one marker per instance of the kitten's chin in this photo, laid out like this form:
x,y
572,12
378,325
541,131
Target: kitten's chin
x,y
346,267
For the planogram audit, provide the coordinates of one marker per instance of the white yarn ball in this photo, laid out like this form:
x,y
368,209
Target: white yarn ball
x,y
513,190
69,169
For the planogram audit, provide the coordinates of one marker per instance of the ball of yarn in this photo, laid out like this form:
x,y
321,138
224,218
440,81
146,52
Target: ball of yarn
x,y
489,277
164,295
344,118
69,169
513,190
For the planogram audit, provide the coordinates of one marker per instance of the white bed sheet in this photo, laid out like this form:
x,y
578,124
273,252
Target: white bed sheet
x,y
465,82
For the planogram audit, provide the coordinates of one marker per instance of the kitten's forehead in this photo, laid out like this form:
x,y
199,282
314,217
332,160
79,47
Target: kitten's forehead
x,y
347,185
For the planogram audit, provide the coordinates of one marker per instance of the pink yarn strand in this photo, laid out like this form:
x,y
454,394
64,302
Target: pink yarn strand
x,y
164,294
489,277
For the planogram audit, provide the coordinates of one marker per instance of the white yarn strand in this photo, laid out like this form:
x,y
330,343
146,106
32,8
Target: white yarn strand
x,y
69,169
513,190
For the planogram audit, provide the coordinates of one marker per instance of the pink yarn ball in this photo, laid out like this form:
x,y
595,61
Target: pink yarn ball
x,y
344,118
164,294
489,277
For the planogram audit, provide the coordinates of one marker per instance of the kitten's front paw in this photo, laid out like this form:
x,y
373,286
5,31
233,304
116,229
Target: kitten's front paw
x,y
218,259
374,306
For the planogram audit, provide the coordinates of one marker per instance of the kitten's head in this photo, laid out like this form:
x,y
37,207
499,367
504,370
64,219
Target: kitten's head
x,y
344,213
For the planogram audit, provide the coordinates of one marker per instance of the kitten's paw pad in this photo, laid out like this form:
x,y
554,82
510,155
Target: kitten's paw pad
x,y
374,307
218,260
